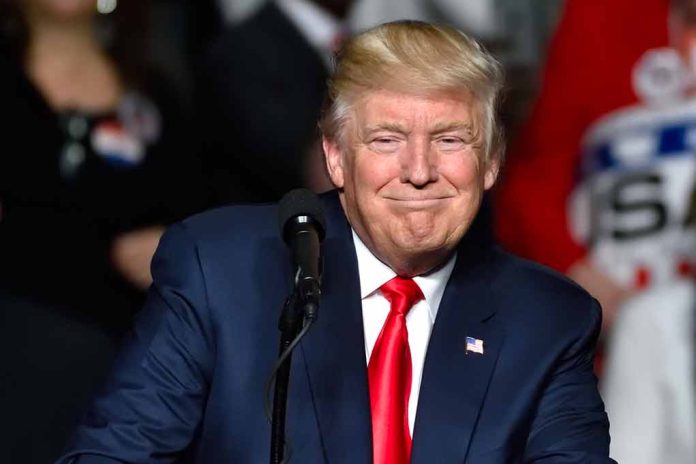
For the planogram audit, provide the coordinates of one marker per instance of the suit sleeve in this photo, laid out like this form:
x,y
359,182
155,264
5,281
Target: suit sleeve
x,y
152,405
570,425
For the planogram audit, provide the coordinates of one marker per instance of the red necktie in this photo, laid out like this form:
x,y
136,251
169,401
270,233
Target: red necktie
x,y
389,375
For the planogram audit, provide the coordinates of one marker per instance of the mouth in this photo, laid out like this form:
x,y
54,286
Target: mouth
x,y
418,201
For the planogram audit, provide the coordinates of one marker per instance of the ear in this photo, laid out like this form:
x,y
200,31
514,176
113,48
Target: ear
x,y
334,161
492,169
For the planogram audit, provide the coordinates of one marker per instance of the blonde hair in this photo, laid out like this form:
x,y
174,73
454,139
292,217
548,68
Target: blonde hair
x,y
416,57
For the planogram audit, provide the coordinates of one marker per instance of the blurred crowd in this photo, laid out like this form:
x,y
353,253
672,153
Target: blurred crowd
x,y
124,116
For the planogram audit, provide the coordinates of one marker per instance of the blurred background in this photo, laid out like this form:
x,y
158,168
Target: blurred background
x,y
123,116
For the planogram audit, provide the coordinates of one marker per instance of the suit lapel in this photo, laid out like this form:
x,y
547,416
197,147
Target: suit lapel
x,y
334,352
455,381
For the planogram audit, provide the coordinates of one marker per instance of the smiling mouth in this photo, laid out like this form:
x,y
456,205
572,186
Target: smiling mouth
x,y
418,201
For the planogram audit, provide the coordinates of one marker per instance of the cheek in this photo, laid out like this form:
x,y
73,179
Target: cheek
x,y
462,172
372,172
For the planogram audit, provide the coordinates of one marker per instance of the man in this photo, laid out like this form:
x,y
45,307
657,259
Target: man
x,y
411,143
261,88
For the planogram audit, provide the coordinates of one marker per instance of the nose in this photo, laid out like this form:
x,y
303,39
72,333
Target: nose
x,y
419,164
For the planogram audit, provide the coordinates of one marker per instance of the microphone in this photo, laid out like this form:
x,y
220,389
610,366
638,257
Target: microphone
x,y
302,227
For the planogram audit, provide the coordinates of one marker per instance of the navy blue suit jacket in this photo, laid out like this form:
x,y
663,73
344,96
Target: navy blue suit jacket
x,y
189,384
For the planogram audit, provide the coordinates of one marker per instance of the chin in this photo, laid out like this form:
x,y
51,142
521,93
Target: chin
x,y
420,242
420,227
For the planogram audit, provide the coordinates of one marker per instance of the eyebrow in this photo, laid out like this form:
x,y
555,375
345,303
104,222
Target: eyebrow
x,y
453,126
388,126
439,127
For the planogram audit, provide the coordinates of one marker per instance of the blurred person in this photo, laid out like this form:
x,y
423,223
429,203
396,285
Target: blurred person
x,y
577,193
93,163
261,89
94,158
650,382
601,185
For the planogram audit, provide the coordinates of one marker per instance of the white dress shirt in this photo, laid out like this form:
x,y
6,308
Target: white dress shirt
x,y
419,320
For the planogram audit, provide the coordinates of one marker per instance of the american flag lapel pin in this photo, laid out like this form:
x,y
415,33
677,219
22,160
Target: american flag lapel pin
x,y
474,345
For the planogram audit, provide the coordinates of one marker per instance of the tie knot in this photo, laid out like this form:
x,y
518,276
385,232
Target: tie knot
x,y
402,293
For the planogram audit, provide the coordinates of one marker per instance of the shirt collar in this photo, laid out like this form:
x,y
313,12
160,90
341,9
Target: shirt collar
x,y
318,26
373,273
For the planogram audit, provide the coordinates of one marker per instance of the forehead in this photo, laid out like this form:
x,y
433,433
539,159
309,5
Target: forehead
x,y
386,107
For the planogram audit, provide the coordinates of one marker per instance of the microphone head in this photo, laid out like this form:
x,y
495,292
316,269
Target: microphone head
x,y
301,202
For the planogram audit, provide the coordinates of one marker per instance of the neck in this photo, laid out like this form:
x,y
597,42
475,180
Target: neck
x,y
67,44
68,65
413,266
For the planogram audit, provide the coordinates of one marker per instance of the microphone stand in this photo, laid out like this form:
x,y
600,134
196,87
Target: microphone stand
x,y
299,313
288,325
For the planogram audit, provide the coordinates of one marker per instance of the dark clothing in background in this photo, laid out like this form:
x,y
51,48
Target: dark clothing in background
x,y
63,306
260,94
50,365
59,217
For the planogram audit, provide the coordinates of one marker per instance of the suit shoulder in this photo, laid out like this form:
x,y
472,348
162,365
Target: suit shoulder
x,y
535,287
231,223
534,275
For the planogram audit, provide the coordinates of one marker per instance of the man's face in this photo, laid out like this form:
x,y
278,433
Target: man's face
x,y
411,177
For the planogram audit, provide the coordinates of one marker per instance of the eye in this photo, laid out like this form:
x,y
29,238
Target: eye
x,y
450,143
385,144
